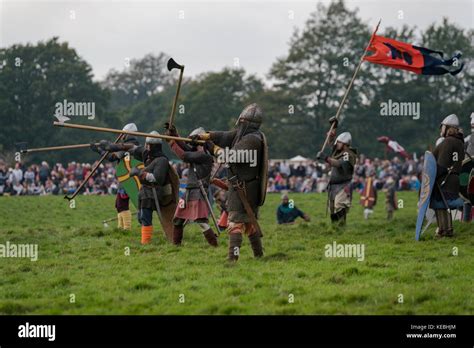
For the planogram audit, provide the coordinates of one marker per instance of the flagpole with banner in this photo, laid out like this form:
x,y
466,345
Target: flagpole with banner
x,y
349,87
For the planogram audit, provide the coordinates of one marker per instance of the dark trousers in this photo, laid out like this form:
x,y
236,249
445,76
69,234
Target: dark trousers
x,y
145,216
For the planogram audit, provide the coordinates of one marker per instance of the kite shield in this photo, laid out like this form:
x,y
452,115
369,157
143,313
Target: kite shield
x,y
427,183
131,185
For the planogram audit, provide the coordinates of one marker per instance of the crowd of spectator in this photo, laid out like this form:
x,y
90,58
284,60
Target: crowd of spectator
x,y
44,179
314,176
283,176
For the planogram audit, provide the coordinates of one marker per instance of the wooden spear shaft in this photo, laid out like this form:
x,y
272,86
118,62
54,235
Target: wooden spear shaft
x,y
114,218
120,131
53,148
92,172
349,87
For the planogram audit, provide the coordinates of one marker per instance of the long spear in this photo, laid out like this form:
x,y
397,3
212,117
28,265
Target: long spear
x,y
94,169
54,148
349,87
120,131
112,219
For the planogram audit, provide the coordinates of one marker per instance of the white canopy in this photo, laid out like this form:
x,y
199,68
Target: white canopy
x,y
298,159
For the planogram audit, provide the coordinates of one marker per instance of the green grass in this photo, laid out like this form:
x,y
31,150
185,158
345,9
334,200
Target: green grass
x,y
77,255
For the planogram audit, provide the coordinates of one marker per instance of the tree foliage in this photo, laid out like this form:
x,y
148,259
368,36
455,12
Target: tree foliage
x,y
315,71
304,89
139,79
33,78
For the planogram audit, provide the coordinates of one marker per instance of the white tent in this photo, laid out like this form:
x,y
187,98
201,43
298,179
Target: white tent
x,y
298,159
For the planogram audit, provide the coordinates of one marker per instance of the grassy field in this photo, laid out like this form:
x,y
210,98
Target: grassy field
x,y
79,258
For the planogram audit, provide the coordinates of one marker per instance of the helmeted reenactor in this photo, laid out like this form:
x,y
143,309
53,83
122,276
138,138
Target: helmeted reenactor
x,y
159,184
194,206
124,216
342,161
247,177
449,155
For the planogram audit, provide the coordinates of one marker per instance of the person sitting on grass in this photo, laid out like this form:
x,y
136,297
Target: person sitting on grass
x,y
287,212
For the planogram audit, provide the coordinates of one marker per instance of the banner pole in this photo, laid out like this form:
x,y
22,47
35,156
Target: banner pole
x,y
349,87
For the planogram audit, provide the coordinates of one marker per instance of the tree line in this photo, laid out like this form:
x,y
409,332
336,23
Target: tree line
x,y
306,88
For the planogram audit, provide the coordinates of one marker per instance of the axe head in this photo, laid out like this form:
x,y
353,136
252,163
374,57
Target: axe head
x,y
22,146
173,65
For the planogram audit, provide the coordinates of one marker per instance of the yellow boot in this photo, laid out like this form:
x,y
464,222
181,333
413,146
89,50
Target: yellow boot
x,y
120,221
126,220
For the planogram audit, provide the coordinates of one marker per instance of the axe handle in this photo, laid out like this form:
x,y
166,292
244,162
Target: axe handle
x,y
175,101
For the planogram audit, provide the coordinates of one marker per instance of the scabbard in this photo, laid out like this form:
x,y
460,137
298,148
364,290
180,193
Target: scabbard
x,y
157,204
442,197
248,209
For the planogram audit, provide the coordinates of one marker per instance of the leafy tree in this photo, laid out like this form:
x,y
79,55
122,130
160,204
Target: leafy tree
x,y
283,124
211,100
306,89
320,62
140,80
33,78
215,100
316,73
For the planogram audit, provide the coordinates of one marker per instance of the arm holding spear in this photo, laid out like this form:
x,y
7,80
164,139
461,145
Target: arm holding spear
x,y
105,155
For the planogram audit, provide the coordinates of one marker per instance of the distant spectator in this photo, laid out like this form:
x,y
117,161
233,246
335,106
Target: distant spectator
x,y
43,172
29,175
3,177
17,189
285,169
287,212
300,170
17,174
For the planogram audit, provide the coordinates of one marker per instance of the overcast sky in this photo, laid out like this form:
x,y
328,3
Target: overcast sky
x,y
205,36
